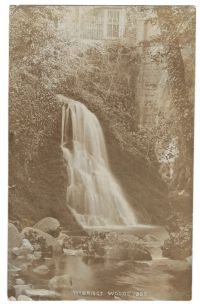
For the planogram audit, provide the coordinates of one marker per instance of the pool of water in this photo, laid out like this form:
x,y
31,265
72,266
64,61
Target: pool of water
x,y
114,279
100,279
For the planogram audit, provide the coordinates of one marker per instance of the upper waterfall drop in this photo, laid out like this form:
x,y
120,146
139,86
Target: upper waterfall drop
x,y
93,194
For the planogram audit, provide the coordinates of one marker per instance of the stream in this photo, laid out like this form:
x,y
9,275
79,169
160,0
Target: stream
x,y
113,279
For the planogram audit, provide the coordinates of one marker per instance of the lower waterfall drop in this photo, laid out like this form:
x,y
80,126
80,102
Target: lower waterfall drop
x,y
93,194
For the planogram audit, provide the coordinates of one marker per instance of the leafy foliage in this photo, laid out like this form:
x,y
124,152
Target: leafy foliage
x,y
39,45
179,244
39,243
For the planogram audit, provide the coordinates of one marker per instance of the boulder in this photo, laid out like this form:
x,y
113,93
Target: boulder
x,y
49,225
20,289
25,249
41,270
63,239
14,238
60,283
13,268
16,251
26,246
42,294
20,281
24,298
44,239
17,224
141,254
156,252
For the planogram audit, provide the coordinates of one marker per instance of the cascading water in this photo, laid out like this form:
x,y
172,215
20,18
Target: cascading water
x,y
93,195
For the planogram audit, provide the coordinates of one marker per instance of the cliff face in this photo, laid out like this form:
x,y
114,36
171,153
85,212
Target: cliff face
x,y
143,187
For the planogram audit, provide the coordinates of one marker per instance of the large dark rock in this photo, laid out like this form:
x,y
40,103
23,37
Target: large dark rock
x,y
49,225
141,254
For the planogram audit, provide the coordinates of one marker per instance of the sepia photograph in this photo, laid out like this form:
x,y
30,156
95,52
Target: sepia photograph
x,y
101,131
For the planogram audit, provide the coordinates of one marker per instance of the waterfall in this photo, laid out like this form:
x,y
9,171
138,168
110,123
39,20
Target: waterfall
x,y
93,194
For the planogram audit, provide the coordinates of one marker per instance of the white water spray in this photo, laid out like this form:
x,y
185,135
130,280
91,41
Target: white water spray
x,y
93,194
